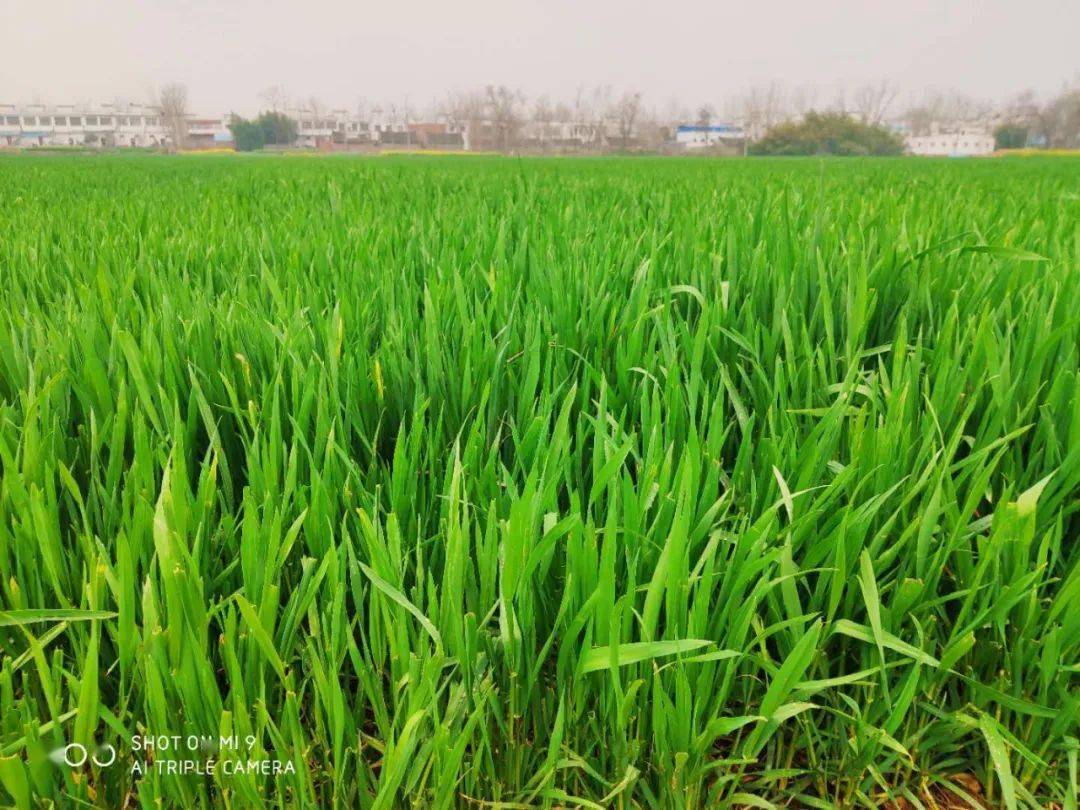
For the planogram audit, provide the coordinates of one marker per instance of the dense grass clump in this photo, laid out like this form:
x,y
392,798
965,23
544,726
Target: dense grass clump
x,y
486,482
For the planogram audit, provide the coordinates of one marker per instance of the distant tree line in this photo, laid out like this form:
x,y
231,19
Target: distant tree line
x,y
501,118
776,119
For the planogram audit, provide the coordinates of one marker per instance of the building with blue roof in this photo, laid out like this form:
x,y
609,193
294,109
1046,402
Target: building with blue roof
x,y
702,136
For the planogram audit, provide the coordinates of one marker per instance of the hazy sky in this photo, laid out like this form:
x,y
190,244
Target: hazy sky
x,y
699,51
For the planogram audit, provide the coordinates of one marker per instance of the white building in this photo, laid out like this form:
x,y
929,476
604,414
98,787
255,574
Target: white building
x,y
208,133
340,128
37,125
697,136
317,128
570,134
958,142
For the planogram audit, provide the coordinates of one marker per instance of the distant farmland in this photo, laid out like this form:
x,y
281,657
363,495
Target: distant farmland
x,y
509,483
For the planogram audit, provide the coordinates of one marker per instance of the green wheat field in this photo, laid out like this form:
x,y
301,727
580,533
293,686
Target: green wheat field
x,y
505,483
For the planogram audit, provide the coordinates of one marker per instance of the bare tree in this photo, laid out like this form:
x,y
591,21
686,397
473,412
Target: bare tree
x,y
1059,120
174,113
396,121
753,105
872,101
316,107
408,115
393,115
589,112
582,117
465,113
839,103
1022,108
653,131
775,108
626,112
957,108
364,113
543,120
504,112
674,113
275,98
803,99
601,104
925,113
762,108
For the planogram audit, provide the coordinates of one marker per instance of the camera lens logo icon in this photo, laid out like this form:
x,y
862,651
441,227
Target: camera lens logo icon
x,y
75,755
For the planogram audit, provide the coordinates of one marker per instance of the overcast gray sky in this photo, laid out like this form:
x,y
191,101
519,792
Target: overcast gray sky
x,y
700,51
